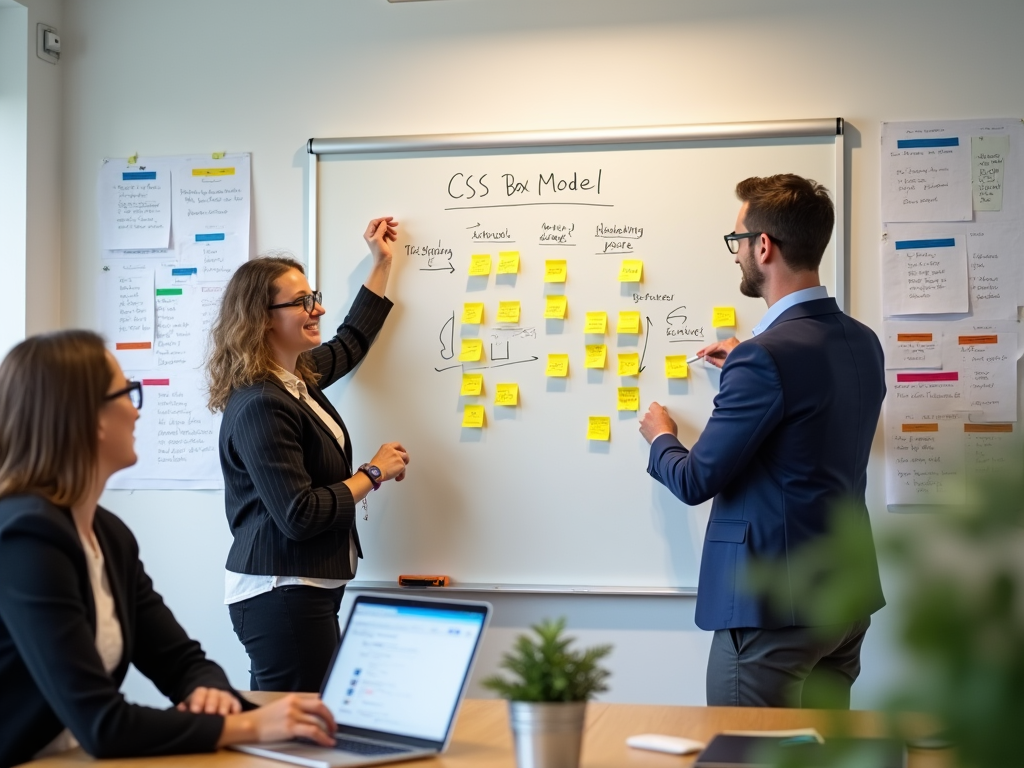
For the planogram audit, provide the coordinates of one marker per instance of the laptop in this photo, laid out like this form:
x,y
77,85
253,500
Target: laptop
x,y
395,682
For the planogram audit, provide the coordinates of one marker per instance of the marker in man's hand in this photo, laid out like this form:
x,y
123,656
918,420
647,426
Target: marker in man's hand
x,y
694,359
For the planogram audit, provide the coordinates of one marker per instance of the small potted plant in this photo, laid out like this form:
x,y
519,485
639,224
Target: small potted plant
x,y
548,695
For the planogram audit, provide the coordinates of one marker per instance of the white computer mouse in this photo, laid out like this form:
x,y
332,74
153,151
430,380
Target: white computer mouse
x,y
659,742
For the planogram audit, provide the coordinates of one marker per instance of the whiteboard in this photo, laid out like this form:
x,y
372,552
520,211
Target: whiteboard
x,y
528,501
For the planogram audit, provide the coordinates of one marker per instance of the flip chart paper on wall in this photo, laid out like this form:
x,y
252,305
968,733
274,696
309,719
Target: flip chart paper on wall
x,y
211,198
508,311
599,428
473,416
676,367
631,271
988,362
596,322
926,173
508,262
994,271
596,354
558,365
555,306
472,313
479,264
629,399
555,271
988,164
992,452
629,364
472,384
472,350
723,317
134,204
629,322
507,394
924,273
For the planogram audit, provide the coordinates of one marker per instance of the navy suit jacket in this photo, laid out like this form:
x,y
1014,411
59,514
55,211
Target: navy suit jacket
x,y
788,439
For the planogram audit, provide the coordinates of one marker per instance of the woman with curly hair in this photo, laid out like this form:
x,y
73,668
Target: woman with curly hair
x,y
291,483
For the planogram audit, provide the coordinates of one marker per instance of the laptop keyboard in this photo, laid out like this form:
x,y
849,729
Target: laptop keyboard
x,y
365,748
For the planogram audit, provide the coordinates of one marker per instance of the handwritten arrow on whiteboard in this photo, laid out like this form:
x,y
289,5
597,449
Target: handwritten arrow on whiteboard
x,y
646,337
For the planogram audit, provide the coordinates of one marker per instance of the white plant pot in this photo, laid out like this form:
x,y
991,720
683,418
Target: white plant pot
x,y
547,735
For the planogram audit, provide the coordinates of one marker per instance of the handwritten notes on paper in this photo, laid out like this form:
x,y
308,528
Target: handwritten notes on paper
x,y
926,173
472,350
629,322
988,161
629,399
558,365
129,318
472,384
135,205
555,271
629,364
473,416
924,275
631,271
508,262
599,428
723,317
676,367
506,394
508,311
555,306
472,313
596,322
596,355
480,265
926,462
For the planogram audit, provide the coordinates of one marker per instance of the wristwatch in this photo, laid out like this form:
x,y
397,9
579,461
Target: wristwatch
x,y
372,472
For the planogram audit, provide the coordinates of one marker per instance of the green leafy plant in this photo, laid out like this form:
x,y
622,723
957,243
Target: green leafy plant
x,y
548,671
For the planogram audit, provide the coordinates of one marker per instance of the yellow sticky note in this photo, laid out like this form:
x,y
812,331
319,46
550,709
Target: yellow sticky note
x,y
723,317
508,262
597,322
558,365
473,416
555,306
508,311
596,354
213,171
629,322
472,384
676,367
472,314
555,271
629,364
599,428
480,264
631,271
472,350
507,394
629,398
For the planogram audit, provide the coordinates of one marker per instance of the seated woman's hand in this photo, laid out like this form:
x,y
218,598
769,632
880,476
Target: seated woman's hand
x,y
290,717
210,701
391,460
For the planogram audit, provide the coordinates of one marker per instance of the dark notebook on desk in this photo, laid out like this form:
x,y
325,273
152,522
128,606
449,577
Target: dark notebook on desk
x,y
765,752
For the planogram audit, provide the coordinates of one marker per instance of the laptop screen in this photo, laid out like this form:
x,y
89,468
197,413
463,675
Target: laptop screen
x,y
402,665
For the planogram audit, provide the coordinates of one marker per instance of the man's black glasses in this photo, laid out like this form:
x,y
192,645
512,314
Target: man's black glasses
x,y
732,240
308,302
133,390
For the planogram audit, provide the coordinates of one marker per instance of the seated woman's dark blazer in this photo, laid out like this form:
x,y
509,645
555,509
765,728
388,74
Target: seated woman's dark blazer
x,y
51,672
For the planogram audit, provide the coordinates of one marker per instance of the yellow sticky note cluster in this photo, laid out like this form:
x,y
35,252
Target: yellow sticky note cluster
x,y
555,271
631,271
558,365
723,317
596,354
629,364
472,314
472,350
508,262
507,394
480,264
629,398
599,428
555,306
597,322
676,367
629,322
508,311
472,384
473,416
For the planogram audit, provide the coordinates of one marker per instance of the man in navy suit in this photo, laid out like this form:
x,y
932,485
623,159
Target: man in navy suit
x,y
788,440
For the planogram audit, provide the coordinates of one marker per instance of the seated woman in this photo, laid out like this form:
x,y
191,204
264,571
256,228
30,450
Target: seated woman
x,y
76,605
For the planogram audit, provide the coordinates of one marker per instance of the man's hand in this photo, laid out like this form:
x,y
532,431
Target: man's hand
x,y
656,422
717,352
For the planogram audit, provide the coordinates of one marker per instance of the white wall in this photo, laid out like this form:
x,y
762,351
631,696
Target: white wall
x,y
13,167
239,75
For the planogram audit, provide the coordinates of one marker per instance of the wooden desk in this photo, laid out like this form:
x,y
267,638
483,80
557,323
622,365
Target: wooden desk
x,y
483,739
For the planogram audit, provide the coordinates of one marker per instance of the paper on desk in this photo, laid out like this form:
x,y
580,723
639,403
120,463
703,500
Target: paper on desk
x,y
926,173
134,204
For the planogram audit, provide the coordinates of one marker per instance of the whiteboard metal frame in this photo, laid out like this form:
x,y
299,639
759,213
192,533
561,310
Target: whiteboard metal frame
x,y
650,135
642,135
